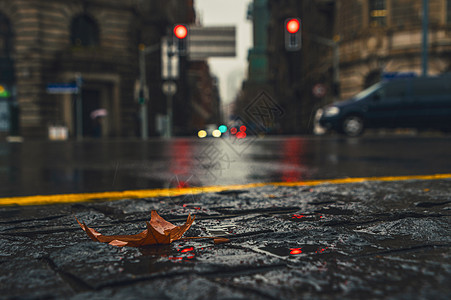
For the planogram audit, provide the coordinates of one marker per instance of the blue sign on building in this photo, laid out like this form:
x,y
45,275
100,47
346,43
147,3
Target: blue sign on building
x,y
62,88
397,75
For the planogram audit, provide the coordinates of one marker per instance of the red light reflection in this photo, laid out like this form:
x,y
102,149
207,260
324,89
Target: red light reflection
x,y
187,249
293,152
295,251
296,216
321,250
182,184
187,256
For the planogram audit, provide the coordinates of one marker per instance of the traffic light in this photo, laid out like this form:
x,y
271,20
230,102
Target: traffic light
x,y
181,38
292,34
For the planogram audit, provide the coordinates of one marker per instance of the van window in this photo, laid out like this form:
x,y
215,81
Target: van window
x,y
395,89
429,87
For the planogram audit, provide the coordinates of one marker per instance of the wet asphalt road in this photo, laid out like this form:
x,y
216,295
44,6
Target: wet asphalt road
x,y
43,167
374,240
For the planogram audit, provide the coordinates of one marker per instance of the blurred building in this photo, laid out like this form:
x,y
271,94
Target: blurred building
x,y
289,77
44,42
386,36
204,94
346,47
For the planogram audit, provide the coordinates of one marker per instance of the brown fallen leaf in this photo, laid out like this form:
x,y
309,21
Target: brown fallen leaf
x,y
221,240
159,231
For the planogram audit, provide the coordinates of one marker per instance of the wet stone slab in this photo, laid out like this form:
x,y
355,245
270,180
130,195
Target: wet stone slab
x,y
363,240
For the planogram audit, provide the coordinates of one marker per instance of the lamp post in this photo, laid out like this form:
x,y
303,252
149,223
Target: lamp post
x,y
79,107
425,37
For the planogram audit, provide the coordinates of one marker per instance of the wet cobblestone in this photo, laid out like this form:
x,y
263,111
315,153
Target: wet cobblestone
x,y
373,240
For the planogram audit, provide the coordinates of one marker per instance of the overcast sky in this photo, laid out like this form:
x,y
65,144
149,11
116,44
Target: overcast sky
x,y
230,71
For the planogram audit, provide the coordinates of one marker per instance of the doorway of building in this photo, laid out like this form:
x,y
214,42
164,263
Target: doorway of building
x,y
91,101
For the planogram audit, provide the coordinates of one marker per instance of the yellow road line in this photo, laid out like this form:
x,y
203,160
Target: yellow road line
x,y
86,197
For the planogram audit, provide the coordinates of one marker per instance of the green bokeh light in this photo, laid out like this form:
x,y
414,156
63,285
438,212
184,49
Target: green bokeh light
x,y
222,128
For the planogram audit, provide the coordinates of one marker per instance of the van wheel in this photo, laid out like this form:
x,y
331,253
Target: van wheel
x,y
353,126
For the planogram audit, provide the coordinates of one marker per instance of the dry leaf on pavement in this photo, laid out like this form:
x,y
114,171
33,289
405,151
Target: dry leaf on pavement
x,y
159,231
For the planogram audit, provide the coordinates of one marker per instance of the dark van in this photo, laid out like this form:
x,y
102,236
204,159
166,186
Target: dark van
x,y
421,102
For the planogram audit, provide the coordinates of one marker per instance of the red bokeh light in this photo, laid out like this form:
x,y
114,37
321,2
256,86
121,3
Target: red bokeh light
x,y
180,31
241,135
293,26
233,130
243,128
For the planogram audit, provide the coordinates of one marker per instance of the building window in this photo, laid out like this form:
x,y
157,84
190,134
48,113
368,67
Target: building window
x,y
84,31
378,13
448,12
5,37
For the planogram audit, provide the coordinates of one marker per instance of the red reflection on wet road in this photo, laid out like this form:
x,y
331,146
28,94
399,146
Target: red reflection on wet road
x,y
186,256
181,164
187,249
296,216
295,251
321,250
175,258
292,151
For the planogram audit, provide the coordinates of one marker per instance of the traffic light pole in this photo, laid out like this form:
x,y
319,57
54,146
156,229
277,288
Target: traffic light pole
x,y
141,96
169,95
425,37
79,107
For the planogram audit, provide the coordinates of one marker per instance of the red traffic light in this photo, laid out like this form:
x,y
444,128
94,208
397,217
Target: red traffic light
x,y
293,25
180,31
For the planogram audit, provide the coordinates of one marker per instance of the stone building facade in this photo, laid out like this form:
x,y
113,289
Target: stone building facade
x,y
378,36
347,45
54,41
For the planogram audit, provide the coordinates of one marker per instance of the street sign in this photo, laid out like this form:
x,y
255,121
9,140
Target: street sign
x,y
319,90
169,59
205,42
169,88
62,88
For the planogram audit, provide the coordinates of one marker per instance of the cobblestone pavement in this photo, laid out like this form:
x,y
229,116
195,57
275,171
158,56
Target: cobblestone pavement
x,y
370,240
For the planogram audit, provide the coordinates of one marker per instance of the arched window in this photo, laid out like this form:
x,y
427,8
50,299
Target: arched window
x,y
5,36
84,31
